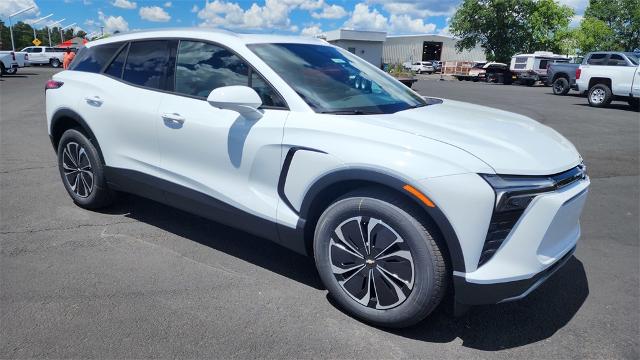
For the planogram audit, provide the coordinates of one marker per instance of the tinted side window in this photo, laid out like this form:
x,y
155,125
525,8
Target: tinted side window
x,y
268,96
597,59
115,68
616,60
147,63
543,64
202,67
94,58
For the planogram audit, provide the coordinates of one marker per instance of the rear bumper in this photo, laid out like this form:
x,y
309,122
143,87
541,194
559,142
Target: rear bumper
x,y
543,239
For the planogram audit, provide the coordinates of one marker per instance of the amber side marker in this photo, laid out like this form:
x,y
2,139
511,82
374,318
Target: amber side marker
x,y
415,192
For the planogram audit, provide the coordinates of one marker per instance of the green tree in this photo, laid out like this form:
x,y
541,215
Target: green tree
x,y
595,35
622,17
506,27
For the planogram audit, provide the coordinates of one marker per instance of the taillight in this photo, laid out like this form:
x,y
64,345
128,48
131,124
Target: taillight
x,y
26,56
578,72
13,56
52,84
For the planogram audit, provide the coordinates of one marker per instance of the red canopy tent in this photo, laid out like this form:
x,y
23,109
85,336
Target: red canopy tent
x,y
75,42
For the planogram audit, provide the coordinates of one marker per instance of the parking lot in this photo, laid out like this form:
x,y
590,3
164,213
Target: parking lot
x,y
144,280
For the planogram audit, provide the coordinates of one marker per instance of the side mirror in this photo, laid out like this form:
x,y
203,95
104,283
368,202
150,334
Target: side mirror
x,y
242,99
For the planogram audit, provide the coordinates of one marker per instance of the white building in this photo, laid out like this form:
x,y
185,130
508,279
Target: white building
x,y
366,44
411,48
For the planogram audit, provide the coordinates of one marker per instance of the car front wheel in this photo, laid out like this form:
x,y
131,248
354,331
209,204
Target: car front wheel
x,y
599,95
82,171
378,260
55,63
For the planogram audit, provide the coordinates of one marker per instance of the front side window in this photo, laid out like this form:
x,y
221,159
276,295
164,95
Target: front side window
x,y
633,57
332,80
202,67
147,63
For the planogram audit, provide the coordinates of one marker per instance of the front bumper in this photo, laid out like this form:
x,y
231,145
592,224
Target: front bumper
x,y
541,242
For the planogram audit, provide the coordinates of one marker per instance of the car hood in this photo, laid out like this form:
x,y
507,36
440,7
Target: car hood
x,y
509,143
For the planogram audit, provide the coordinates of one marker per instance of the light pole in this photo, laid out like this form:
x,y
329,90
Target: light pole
x,y
13,46
37,21
64,28
49,28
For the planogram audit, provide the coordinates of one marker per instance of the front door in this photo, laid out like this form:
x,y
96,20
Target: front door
x,y
218,160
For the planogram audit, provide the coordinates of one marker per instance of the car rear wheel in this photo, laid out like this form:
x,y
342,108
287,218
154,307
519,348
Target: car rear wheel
x,y
82,171
599,95
561,86
378,261
54,63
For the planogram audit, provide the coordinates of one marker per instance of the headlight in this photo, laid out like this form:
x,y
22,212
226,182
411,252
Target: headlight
x,y
513,195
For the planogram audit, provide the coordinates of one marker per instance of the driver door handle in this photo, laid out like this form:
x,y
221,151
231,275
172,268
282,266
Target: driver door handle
x,y
173,118
94,100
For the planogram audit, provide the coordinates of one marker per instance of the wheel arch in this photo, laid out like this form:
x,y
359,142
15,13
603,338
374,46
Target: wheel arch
x,y
599,80
330,187
65,119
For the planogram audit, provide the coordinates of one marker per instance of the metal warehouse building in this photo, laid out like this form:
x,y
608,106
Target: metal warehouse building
x,y
405,48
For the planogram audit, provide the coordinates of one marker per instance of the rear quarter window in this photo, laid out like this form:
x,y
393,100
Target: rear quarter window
x,y
597,59
93,59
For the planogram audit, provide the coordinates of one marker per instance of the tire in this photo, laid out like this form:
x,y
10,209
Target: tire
x,y
82,171
11,71
561,86
530,82
420,274
54,63
459,78
2,70
635,103
599,95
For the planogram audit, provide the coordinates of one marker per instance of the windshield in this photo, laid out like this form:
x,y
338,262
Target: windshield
x,y
331,80
633,57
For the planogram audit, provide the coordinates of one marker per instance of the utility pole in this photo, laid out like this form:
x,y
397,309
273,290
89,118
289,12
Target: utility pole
x,y
13,45
37,21
49,29
64,28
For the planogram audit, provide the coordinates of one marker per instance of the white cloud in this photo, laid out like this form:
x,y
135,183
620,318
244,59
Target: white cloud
x,y
331,12
154,13
406,24
12,6
273,14
195,9
364,19
124,4
312,30
577,5
575,21
168,4
113,23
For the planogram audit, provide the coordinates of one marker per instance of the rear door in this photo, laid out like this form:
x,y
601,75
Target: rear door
x,y
121,101
622,74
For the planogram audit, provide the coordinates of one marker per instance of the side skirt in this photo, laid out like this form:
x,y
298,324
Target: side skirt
x,y
200,204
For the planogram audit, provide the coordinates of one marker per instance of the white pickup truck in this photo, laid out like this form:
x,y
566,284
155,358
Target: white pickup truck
x,y
10,61
45,55
606,76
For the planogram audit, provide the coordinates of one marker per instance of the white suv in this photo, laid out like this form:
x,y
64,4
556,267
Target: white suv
x,y
398,197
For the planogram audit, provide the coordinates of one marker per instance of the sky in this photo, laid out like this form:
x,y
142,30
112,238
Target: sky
x,y
295,17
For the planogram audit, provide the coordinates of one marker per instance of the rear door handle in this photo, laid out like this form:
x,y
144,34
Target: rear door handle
x,y
173,118
94,100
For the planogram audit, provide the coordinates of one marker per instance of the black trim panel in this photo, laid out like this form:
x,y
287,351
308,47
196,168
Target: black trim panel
x,y
68,113
469,293
192,201
450,237
285,171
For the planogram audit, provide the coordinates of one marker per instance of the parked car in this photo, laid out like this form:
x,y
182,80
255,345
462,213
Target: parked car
x,y
481,71
40,55
437,65
562,77
399,199
606,76
11,61
423,67
530,68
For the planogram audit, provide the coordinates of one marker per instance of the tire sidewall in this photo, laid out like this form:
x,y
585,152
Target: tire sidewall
x,y
55,63
99,185
415,307
564,84
607,97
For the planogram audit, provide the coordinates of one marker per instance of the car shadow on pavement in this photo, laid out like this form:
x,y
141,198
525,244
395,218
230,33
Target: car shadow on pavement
x,y
244,246
503,326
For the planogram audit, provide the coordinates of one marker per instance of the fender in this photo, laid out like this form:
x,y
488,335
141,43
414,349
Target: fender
x,y
57,120
394,182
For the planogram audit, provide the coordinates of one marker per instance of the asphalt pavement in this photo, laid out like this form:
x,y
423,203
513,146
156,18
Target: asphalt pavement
x,y
142,280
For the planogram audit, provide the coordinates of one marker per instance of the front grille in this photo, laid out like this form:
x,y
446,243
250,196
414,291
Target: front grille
x,y
502,222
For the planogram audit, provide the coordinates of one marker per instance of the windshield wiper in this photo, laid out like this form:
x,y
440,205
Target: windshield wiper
x,y
349,112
